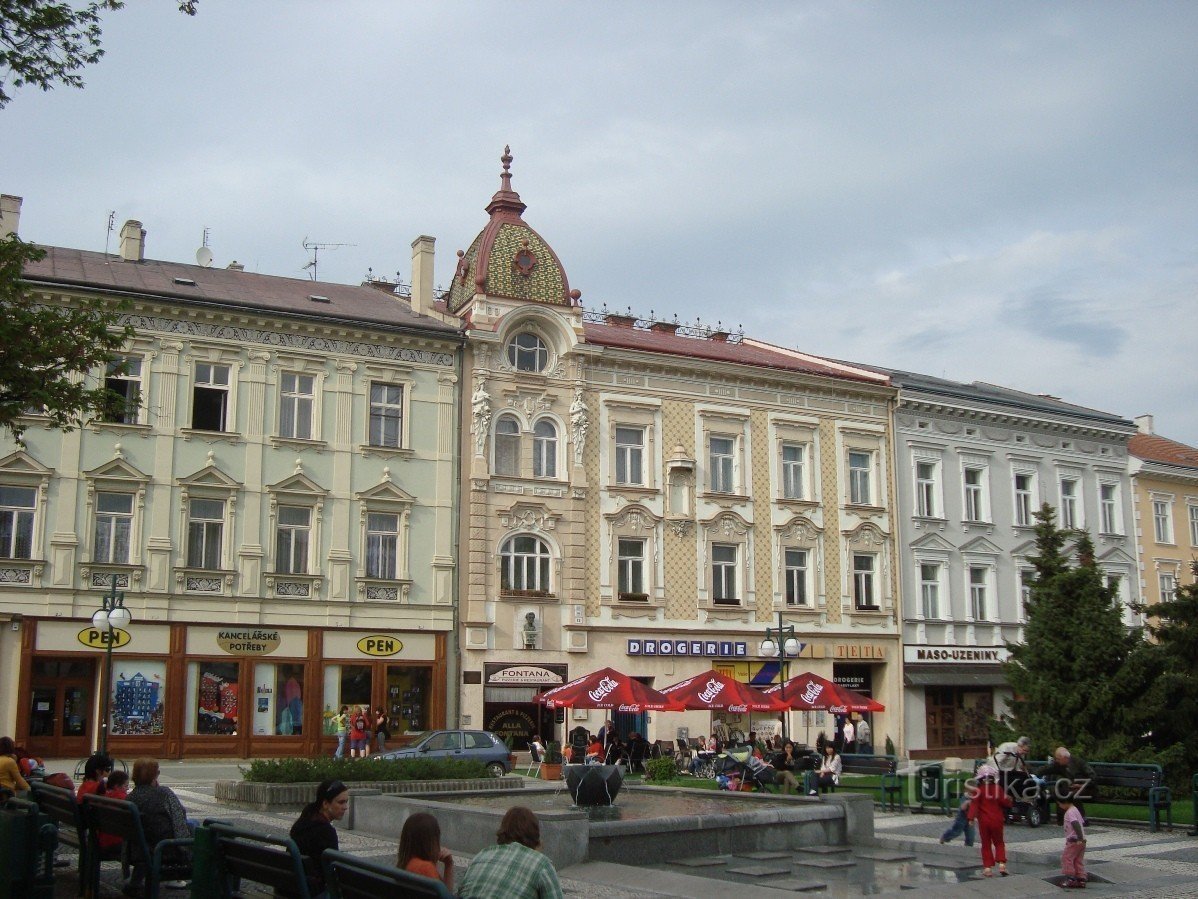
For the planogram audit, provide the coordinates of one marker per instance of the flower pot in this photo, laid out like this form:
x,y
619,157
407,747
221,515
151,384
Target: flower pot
x,y
551,771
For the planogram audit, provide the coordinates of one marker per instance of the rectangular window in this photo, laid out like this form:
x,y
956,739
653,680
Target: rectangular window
x,y
864,589
1108,501
792,470
1168,585
977,592
723,575
114,527
138,694
630,451
1023,499
17,506
296,399
1070,512
929,589
1162,520
386,415
631,575
796,578
213,698
279,699
205,532
126,386
859,478
291,541
719,460
975,496
382,545
544,449
1194,525
210,397
925,489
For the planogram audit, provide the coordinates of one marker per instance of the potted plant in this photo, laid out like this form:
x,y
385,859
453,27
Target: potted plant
x,y
551,767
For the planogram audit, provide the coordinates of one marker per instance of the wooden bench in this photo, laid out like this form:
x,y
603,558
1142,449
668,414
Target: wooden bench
x,y
121,818
1137,785
27,842
230,855
890,790
348,877
60,806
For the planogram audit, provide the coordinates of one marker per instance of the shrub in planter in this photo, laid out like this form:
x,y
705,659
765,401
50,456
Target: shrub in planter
x,y
357,770
659,769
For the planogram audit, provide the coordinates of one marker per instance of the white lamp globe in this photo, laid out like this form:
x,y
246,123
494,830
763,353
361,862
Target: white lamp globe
x,y
100,619
120,617
769,648
793,647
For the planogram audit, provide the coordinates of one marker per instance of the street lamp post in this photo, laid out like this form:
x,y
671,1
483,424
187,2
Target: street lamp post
x,y
108,619
780,642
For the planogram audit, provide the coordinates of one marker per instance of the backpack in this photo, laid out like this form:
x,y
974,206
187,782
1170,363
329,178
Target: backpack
x,y
360,723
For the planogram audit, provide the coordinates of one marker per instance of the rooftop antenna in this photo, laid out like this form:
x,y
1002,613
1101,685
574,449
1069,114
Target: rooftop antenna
x,y
111,225
315,249
203,254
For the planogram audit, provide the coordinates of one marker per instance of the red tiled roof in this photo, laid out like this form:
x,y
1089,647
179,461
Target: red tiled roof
x,y
228,287
743,352
1153,448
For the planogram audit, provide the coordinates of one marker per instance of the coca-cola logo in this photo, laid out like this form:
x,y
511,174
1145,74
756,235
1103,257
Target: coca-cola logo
x,y
602,689
812,691
711,690
628,708
738,708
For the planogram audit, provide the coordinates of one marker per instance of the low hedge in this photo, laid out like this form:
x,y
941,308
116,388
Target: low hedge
x,y
289,771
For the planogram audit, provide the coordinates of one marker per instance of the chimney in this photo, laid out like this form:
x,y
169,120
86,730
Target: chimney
x,y
1144,424
235,266
133,242
422,274
10,215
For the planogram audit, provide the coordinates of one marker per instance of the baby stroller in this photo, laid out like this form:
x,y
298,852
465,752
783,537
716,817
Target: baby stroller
x,y
1029,798
733,771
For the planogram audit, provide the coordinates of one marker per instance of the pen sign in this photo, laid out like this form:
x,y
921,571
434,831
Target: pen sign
x,y
379,645
97,637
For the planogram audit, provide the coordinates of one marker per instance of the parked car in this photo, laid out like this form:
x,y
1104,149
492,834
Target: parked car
x,y
476,745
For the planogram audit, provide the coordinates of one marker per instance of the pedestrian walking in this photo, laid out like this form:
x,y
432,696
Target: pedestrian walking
x,y
357,734
961,824
1073,856
988,808
865,737
341,721
381,732
850,736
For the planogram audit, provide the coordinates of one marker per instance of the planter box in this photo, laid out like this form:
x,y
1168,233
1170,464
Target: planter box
x,y
551,771
265,797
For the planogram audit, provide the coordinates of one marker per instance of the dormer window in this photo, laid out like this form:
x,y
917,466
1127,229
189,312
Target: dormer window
x,y
527,352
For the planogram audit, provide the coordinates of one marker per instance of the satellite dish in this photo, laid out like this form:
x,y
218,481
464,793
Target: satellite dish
x,y
204,257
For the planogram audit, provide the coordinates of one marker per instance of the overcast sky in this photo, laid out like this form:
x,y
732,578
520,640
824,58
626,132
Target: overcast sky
x,y
1001,192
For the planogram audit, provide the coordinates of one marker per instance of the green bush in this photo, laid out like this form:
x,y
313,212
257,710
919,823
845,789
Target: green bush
x,y
889,746
660,769
289,771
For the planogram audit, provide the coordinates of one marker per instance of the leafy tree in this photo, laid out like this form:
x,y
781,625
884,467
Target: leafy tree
x,y
46,351
1071,676
47,42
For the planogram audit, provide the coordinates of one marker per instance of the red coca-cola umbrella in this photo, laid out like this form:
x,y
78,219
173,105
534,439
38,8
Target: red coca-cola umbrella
x,y
606,688
713,690
809,692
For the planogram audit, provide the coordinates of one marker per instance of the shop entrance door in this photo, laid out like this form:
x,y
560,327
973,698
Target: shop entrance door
x,y
61,707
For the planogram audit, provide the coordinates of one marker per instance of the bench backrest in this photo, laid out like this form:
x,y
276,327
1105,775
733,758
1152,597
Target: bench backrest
x,y
60,806
348,877
854,763
118,817
1127,776
260,858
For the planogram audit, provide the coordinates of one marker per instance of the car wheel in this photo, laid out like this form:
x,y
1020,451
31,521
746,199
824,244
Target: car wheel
x,y
1035,815
496,769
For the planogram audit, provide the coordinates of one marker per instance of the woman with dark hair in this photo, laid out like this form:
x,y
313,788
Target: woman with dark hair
x,y
420,849
514,868
95,775
830,769
10,773
313,831
382,731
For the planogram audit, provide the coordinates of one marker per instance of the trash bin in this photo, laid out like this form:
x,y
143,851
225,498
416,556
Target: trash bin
x,y
27,842
931,784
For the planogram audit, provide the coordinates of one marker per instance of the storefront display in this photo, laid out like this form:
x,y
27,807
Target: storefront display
x,y
278,699
138,697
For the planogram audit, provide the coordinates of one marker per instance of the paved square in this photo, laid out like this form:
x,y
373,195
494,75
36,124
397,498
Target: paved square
x,y
760,870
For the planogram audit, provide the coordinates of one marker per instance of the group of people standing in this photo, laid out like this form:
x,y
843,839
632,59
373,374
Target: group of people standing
x,y
358,729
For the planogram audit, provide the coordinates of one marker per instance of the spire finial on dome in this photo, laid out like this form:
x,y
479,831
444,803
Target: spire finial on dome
x,y
505,198
506,177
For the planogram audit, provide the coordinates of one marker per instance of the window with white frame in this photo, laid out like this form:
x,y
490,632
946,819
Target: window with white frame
x,y
720,458
1025,499
114,528
122,378
205,533
979,577
723,574
797,574
382,545
793,463
630,574
1027,577
544,449
524,565
1162,520
630,456
865,566
17,508
297,397
210,397
929,589
386,414
860,468
1167,581
1108,507
1193,524
975,494
527,352
293,535
1070,504
507,446
925,489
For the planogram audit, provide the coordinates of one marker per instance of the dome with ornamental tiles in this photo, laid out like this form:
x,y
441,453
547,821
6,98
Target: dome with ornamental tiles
x,y
509,259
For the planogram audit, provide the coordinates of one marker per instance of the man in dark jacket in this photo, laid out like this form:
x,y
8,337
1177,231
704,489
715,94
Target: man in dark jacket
x,y
1068,776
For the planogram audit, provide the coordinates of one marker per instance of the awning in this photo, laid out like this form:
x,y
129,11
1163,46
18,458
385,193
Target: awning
x,y
954,676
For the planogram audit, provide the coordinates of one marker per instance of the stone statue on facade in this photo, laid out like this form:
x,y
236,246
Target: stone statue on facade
x,y
579,423
480,402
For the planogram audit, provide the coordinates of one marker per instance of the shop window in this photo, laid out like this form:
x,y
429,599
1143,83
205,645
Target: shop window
x,y
138,697
346,685
114,526
213,698
409,690
122,379
17,505
278,699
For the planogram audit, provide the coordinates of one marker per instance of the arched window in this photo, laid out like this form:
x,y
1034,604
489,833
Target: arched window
x,y
527,352
544,449
524,564
507,446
